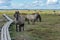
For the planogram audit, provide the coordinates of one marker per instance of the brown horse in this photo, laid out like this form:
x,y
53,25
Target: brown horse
x,y
19,21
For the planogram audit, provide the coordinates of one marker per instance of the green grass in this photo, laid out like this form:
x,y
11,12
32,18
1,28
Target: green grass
x,y
2,20
48,29
10,12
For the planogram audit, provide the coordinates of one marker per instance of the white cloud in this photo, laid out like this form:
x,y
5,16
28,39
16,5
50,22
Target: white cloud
x,y
52,1
1,1
35,1
5,2
34,4
4,7
17,5
9,4
38,3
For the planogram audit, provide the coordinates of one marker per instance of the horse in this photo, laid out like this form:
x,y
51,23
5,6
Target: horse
x,y
19,21
33,18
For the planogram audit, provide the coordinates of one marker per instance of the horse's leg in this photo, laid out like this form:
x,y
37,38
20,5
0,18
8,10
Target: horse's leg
x,y
36,19
28,21
23,27
19,27
16,27
33,21
39,18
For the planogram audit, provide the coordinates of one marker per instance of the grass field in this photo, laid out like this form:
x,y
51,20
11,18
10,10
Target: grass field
x,y
10,12
2,20
48,29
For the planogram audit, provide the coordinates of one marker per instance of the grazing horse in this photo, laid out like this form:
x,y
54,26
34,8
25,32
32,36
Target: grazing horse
x,y
38,17
19,21
33,18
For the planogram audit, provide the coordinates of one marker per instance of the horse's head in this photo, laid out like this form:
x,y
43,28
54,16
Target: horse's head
x,y
16,15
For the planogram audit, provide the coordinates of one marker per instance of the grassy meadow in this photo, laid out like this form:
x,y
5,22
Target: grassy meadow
x,y
48,29
10,12
2,20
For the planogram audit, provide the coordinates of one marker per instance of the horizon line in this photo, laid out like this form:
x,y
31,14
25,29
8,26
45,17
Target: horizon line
x,y
29,9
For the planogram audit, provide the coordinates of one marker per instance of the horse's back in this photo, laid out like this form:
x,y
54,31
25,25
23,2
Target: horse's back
x,y
30,16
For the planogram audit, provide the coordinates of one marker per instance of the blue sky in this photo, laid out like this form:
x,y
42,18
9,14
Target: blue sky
x,y
29,4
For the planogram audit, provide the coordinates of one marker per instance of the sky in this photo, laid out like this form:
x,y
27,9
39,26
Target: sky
x,y
29,4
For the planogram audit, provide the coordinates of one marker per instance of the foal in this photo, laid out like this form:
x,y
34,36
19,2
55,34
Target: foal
x,y
19,21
